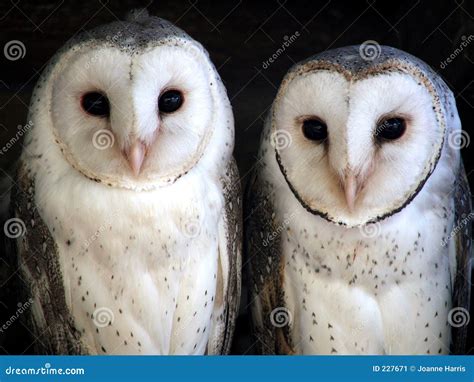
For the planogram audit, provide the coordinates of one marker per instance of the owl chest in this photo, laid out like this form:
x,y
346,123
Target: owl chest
x,y
138,296
365,262
350,290
139,273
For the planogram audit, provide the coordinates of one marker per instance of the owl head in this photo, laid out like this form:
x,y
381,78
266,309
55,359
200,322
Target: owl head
x,y
133,104
355,136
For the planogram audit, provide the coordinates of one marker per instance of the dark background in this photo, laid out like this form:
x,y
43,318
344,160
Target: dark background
x,y
240,36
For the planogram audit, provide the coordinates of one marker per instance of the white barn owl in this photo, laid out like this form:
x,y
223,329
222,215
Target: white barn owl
x,y
359,238
128,197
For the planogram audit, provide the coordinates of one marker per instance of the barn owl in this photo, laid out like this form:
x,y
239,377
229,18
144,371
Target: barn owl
x,y
359,210
126,209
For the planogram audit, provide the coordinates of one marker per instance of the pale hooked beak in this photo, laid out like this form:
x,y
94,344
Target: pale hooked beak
x,y
350,190
135,155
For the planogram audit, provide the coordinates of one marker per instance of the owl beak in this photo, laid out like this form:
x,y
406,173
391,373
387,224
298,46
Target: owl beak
x,y
350,190
135,154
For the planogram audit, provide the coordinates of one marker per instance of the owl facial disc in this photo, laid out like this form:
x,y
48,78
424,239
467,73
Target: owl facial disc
x,y
355,140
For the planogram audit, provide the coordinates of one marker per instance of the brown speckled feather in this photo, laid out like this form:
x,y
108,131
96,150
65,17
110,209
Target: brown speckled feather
x,y
233,235
462,282
40,270
264,266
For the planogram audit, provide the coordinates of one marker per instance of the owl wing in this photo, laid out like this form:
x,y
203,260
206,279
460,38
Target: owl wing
x,y
15,339
36,281
227,300
265,271
462,237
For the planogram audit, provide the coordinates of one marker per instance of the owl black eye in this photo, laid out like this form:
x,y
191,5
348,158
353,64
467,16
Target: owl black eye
x,y
390,129
96,104
315,130
170,101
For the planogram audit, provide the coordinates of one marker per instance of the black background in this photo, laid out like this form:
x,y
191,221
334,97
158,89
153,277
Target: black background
x,y
240,36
